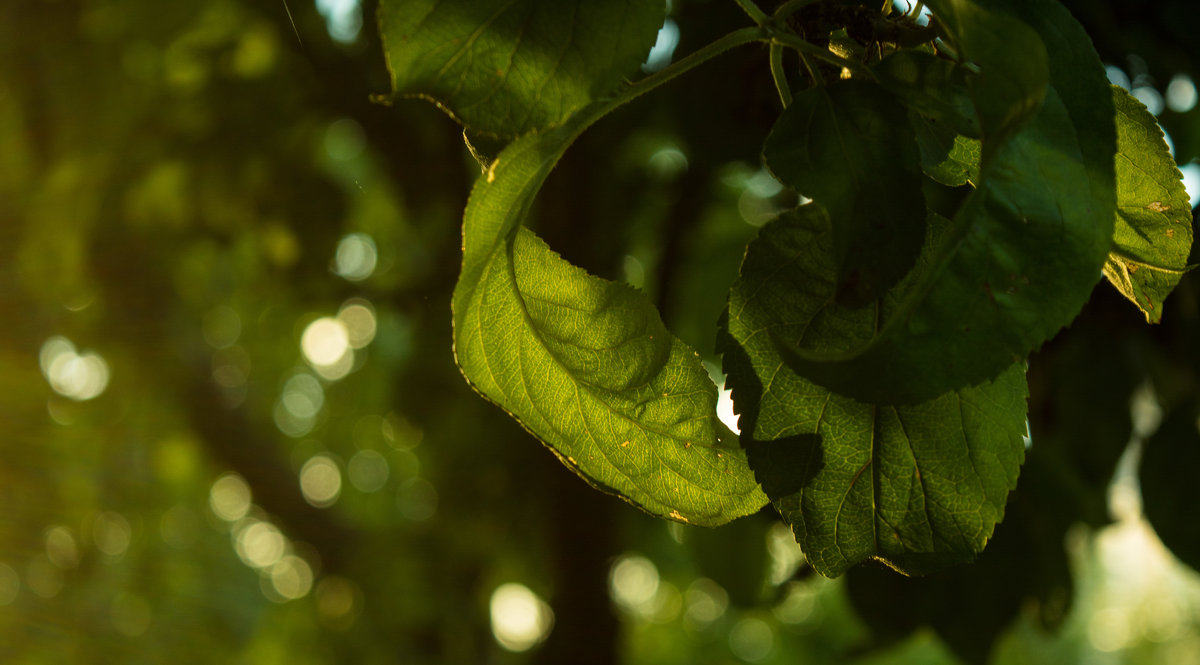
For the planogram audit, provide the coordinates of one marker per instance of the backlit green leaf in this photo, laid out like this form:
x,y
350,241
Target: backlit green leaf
x,y
840,144
1153,232
586,364
507,67
1028,244
918,486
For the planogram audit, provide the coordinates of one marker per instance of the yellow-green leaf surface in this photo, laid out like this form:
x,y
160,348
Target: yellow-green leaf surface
x,y
506,67
586,364
918,486
1153,232
1029,241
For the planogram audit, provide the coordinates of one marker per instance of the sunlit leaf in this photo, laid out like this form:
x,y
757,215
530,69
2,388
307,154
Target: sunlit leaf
x,y
586,364
1029,242
918,486
840,145
505,68
1153,232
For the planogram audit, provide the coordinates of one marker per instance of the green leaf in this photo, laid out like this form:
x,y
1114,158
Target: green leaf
x,y
507,67
919,486
938,89
840,144
586,364
1169,467
946,156
1153,232
1011,62
1027,247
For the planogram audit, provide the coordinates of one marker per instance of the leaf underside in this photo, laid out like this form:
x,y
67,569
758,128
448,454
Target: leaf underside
x,y
586,364
504,68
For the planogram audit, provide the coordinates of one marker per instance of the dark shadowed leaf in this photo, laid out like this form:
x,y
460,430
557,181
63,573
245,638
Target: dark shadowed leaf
x,y
1027,246
918,486
507,67
1170,466
841,145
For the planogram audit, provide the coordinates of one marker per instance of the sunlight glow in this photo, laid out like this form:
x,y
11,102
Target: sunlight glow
x,y
520,619
664,48
1152,98
73,375
343,19
229,497
1191,181
786,556
321,481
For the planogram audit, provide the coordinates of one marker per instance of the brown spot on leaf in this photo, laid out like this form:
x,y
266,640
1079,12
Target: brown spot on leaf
x,y
624,444
1157,206
674,514
1170,233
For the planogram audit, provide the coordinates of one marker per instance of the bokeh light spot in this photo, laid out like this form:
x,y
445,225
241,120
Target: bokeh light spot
x,y
343,19
752,640
260,544
520,619
417,500
78,376
324,342
704,602
368,471
633,583
321,481
292,577
1181,93
112,533
229,497
358,318
61,548
344,140
356,257
337,599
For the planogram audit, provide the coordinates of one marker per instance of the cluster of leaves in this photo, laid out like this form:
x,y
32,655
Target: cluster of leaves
x,y
966,185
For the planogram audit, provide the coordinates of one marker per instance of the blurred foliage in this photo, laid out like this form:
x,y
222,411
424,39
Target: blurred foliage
x,y
178,184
